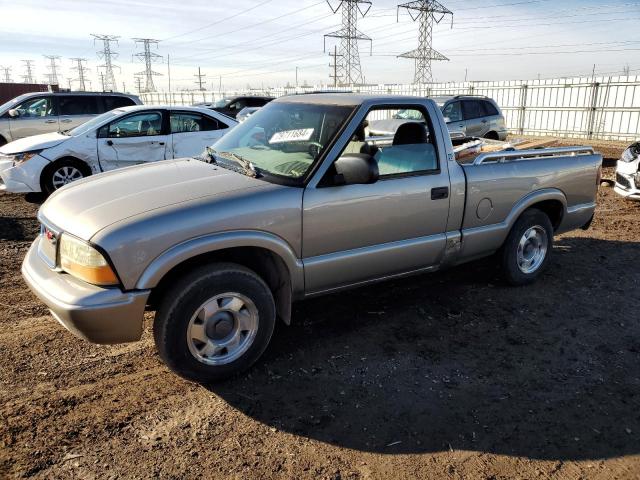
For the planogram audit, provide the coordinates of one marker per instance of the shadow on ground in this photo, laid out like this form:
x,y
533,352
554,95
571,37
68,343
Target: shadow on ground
x,y
458,360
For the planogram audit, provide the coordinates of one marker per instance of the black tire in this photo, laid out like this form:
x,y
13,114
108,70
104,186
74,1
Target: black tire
x,y
3,141
47,177
492,136
182,301
531,218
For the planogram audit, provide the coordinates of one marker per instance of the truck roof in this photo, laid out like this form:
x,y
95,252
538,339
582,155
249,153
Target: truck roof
x,y
347,99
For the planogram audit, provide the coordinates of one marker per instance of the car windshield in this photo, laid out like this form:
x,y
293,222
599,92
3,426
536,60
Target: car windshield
x,y
283,139
14,101
94,122
221,103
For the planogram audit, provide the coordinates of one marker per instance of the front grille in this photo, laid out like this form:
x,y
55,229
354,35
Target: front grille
x,y
48,246
623,181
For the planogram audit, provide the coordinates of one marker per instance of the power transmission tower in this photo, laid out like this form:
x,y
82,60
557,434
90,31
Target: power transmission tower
x,y
334,67
7,74
28,76
199,80
348,69
149,58
81,69
106,54
426,12
53,69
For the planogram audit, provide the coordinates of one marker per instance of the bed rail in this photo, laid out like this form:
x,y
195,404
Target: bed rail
x,y
513,155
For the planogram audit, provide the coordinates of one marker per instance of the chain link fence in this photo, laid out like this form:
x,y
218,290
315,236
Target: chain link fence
x,y
606,108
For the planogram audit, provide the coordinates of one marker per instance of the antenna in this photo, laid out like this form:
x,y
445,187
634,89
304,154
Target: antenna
x,y
149,58
52,76
427,12
106,54
81,69
28,68
347,59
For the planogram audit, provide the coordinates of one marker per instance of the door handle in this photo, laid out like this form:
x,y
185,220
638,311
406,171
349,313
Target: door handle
x,y
484,121
49,121
110,143
439,193
161,143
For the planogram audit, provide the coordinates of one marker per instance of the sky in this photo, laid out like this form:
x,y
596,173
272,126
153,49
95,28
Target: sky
x,y
262,43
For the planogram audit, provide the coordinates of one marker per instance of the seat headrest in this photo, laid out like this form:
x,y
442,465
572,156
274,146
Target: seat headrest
x,y
410,133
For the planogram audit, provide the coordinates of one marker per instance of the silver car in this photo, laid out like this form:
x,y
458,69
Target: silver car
x,y
45,112
476,116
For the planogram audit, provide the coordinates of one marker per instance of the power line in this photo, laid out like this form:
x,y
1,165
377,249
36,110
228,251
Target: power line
x,y
426,12
52,76
348,67
149,58
108,80
81,69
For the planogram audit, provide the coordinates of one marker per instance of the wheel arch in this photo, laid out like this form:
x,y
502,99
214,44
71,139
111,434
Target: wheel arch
x,y
52,164
492,135
273,261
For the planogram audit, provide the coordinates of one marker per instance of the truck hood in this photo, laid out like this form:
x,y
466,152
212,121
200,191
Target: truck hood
x,y
85,207
36,142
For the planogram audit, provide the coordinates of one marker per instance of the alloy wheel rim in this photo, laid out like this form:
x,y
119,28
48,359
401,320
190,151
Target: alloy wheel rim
x,y
65,175
222,329
532,249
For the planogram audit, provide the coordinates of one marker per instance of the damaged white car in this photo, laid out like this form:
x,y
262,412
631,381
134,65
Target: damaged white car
x,y
119,138
628,174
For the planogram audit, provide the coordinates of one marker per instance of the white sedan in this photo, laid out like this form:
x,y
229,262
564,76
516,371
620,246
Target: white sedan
x,y
119,138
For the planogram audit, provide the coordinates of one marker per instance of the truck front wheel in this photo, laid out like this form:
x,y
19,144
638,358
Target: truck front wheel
x,y
526,251
214,322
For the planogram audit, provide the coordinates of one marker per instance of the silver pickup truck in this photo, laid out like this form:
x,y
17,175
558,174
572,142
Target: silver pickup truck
x,y
292,203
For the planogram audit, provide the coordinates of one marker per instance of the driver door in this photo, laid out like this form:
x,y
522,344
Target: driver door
x,y
356,233
136,138
37,115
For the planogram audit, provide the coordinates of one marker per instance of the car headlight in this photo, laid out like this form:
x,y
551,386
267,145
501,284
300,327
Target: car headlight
x,y
81,260
631,153
20,158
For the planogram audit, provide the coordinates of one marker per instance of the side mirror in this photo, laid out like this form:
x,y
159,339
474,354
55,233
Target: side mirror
x,y
14,113
356,168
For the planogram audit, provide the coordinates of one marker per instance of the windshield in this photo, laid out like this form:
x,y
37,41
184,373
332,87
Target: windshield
x,y
284,139
14,101
94,122
221,103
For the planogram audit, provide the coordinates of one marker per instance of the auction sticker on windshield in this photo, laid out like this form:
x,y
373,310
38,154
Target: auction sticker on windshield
x,y
300,135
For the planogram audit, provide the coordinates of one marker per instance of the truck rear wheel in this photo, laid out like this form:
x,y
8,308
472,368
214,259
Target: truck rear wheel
x,y
526,251
214,322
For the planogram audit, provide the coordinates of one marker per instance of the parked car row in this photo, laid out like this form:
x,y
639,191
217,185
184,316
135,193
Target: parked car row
x,y
119,138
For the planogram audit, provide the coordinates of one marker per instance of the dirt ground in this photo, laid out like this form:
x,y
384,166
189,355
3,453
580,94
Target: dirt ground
x,y
450,375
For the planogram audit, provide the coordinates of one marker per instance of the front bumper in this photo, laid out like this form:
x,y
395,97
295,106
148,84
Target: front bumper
x,y
22,178
627,180
97,314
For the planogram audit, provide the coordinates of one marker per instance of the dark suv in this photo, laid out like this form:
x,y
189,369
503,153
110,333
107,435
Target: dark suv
x,y
231,106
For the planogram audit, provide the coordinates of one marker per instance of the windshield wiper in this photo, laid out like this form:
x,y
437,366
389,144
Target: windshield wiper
x,y
247,167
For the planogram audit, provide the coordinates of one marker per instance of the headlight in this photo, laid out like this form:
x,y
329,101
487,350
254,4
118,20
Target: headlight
x,y
81,260
631,153
20,158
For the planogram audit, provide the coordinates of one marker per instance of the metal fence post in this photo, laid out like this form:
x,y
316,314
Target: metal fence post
x,y
595,86
522,108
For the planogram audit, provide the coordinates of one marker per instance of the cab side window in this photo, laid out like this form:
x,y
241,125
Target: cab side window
x,y
37,107
452,112
489,109
182,122
113,102
411,149
138,125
